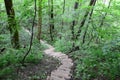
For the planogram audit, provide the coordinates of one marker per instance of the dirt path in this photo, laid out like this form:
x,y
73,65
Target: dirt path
x,y
63,71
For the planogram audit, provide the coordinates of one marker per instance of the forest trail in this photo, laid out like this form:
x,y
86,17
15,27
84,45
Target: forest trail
x,y
63,72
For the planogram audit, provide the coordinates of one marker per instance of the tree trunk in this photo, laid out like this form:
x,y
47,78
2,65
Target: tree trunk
x,y
39,19
103,18
12,24
51,19
62,15
90,16
84,18
74,21
102,21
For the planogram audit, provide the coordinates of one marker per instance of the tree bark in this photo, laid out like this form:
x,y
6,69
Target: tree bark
x,y
90,16
51,19
62,15
39,19
74,21
32,33
84,18
102,21
103,18
12,24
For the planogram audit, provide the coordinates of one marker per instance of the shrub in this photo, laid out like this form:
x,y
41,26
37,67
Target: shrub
x,y
63,45
98,65
13,58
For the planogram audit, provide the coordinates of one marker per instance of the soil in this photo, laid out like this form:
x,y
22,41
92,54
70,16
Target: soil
x,y
38,71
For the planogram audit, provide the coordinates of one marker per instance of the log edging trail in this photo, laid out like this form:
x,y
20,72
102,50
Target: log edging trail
x,y
63,72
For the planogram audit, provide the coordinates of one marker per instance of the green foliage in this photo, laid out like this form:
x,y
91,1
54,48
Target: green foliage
x,y
34,58
1,1
35,77
14,57
101,62
4,40
7,59
113,46
6,71
98,65
63,45
11,57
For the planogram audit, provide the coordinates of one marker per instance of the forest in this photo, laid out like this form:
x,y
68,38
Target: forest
x,y
59,39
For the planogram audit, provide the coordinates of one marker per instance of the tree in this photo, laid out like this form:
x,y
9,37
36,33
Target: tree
x,y
74,22
89,20
92,3
32,34
103,17
12,24
102,20
39,19
51,18
63,14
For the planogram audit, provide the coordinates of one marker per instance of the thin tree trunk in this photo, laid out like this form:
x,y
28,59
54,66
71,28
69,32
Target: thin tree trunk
x,y
32,34
102,21
64,7
39,19
74,23
51,19
84,19
83,41
103,18
63,14
12,24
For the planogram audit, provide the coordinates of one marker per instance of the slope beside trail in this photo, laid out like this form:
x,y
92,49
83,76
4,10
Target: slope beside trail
x,y
63,72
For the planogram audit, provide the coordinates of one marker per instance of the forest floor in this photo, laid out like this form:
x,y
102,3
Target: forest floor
x,y
49,67
54,66
33,71
38,71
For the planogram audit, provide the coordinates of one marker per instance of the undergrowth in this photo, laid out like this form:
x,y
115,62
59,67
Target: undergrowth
x,y
95,62
10,59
